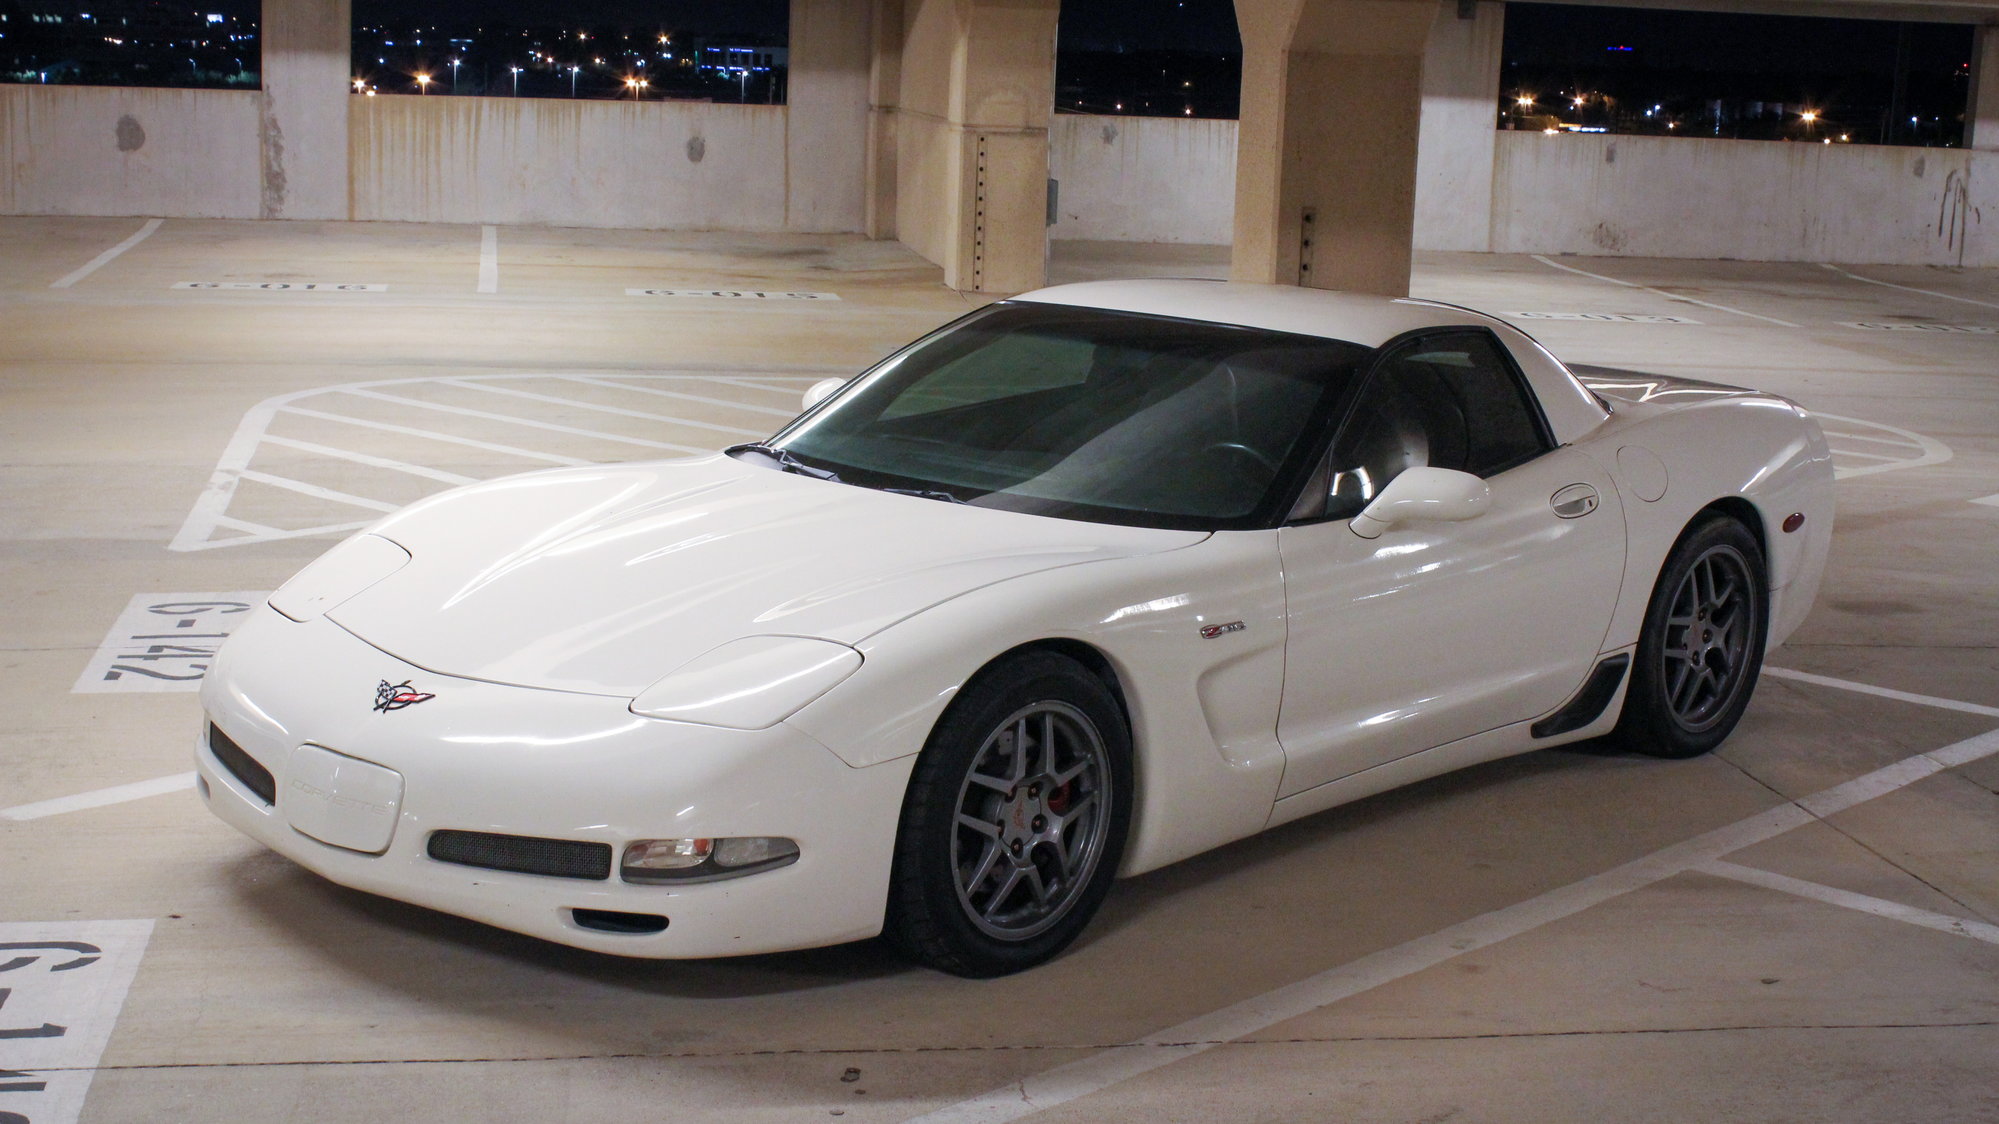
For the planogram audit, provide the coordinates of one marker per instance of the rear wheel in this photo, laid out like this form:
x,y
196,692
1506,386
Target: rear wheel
x,y
1702,645
1015,819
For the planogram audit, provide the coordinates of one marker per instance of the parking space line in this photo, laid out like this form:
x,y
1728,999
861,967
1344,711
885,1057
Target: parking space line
x,y
94,264
1907,288
447,438
1881,692
531,396
489,259
1846,899
369,459
1197,1035
675,394
316,491
1663,293
531,423
1988,501
117,794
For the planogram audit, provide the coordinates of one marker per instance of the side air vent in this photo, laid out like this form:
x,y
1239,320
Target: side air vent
x,y
1589,702
523,854
242,766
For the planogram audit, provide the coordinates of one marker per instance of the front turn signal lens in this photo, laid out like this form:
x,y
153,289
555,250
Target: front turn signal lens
x,y
704,860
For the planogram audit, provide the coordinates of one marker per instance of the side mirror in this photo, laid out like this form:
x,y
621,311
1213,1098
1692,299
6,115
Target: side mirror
x,y
1417,494
822,390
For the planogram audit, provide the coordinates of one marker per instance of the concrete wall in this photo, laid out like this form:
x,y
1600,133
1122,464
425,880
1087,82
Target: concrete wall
x,y
1754,200
1143,179
81,150
1454,146
679,165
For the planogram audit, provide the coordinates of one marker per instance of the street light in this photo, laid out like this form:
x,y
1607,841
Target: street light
x,y
423,83
517,80
572,80
454,76
360,84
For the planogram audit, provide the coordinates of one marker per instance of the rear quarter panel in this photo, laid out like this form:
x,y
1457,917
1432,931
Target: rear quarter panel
x,y
1717,444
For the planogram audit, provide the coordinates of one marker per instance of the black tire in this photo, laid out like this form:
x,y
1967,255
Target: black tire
x,y
1701,649
1005,849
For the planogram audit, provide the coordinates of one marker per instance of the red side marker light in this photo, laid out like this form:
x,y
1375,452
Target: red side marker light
x,y
1795,520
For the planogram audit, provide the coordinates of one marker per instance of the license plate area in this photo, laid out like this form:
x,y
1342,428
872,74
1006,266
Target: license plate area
x,y
341,801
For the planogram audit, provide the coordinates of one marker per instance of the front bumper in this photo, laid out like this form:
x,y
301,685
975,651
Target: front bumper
x,y
484,757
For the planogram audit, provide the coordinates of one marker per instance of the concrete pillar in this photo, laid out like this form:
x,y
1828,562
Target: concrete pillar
x,y
1981,111
884,95
1454,150
303,117
1326,161
826,115
975,91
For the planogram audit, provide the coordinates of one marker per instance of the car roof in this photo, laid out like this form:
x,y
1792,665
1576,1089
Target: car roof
x,y
1360,318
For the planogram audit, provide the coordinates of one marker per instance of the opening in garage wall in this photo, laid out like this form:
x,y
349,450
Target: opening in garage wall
x,y
602,50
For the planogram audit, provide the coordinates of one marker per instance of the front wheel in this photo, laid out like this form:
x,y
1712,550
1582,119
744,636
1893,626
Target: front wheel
x,y
1015,819
1702,644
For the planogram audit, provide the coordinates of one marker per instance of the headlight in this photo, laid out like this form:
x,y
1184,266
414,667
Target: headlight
x,y
749,684
338,574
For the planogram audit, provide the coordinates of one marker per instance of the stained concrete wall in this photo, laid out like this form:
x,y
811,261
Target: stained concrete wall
x,y
81,150
1143,179
558,162
1755,200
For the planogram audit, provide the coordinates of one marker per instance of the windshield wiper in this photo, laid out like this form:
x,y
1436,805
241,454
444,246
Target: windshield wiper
x,y
924,493
784,460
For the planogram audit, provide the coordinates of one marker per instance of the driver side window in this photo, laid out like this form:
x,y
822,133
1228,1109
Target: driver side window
x,y
1450,400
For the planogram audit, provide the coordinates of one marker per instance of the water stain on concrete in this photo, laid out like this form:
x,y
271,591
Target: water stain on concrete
x,y
131,134
696,149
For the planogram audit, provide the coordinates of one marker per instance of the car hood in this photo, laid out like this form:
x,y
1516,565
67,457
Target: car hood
x,y
602,579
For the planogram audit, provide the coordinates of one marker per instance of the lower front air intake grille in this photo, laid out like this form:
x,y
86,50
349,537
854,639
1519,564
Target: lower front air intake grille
x,y
523,854
242,766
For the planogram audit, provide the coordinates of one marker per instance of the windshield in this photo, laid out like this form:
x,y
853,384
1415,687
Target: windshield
x,y
1086,414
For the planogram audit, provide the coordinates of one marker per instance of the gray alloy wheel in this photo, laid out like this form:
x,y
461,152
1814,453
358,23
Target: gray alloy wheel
x,y
1033,814
1701,648
1015,818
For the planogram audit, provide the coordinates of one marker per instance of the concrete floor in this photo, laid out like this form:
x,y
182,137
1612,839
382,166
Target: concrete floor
x,y
1803,926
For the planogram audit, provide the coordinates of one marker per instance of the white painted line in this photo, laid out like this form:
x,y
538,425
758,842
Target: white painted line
x,y
1663,293
1183,1040
1927,450
1907,288
1882,692
164,641
103,797
1601,317
369,459
317,492
614,385
731,294
1961,329
209,514
98,262
433,435
1831,895
66,984
531,423
280,286
488,388
489,259
1988,501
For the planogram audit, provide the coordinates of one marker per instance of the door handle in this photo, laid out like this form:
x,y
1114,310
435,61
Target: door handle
x,y
1574,501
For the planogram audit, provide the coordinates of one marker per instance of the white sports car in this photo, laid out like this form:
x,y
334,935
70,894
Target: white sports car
x,y
1085,583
